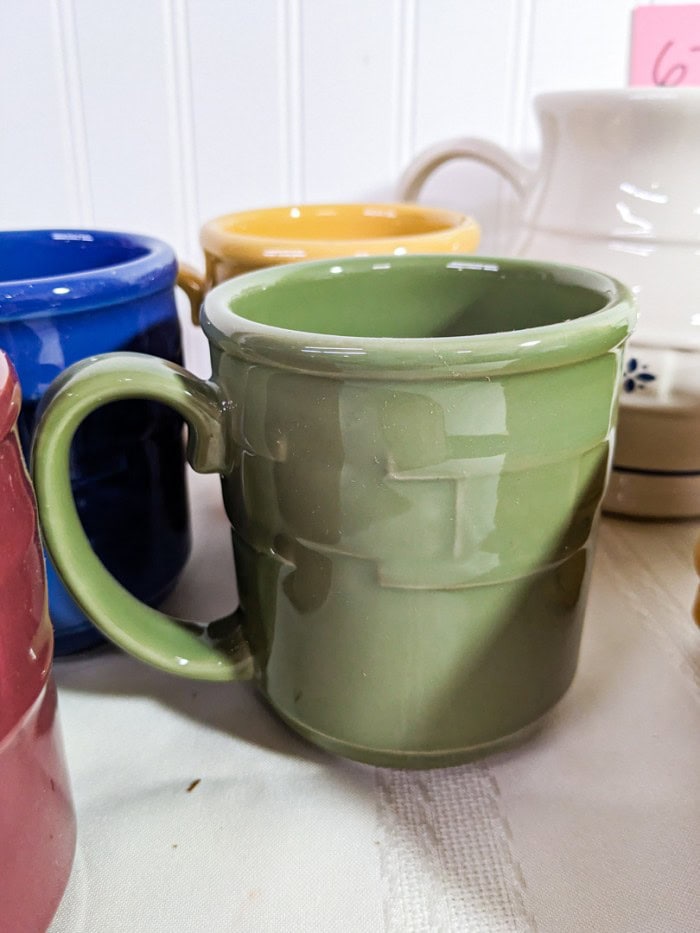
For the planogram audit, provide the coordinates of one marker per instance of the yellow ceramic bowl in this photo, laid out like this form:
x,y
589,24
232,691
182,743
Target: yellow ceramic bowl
x,y
247,240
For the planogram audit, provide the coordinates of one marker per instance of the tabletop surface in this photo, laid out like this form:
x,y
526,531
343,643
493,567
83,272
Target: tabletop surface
x,y
199,811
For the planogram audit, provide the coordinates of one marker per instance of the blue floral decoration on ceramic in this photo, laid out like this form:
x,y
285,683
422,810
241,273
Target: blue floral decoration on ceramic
x,y
635,376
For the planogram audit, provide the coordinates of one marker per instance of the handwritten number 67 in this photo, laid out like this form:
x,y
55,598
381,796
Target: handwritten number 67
x,y
670,75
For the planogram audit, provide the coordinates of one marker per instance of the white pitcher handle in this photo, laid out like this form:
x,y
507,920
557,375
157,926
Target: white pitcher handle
x,y
481,150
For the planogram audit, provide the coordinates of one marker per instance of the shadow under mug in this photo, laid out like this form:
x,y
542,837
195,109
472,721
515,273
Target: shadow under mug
x,y
242,242
70,294
412,452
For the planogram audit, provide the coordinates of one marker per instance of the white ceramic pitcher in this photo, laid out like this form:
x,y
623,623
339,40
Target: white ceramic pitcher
x,y
617,188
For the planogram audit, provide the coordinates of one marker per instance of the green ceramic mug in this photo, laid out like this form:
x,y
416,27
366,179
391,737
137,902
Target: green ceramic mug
x,y
412,452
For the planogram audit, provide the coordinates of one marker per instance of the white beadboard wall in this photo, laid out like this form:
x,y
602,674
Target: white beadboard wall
x,y
153,115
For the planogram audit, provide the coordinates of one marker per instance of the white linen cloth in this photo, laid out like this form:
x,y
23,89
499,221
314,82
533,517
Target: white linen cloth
x,y
592,825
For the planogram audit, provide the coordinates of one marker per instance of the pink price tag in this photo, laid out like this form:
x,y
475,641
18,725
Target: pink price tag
x,y
665,46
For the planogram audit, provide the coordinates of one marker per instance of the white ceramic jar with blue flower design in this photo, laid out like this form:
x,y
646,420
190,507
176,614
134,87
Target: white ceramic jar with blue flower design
x,y
657,450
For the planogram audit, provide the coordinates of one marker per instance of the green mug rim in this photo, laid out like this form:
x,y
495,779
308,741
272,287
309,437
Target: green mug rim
x,y
521,350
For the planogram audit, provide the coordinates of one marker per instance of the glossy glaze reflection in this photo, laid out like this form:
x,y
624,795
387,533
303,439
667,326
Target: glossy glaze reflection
x,y
420,515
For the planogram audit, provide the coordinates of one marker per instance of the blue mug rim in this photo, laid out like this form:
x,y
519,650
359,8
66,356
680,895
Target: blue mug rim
x,y
66,293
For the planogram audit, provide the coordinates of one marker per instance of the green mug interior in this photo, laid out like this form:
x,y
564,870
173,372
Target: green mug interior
x,y
419,297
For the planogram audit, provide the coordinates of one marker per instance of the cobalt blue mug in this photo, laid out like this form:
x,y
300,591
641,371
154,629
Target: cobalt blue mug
x,y
70,294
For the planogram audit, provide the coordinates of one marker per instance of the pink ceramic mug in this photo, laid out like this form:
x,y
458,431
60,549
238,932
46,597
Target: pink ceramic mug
x,y
37,821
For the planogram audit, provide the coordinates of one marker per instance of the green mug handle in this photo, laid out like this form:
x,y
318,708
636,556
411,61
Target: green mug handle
x,y
217,651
